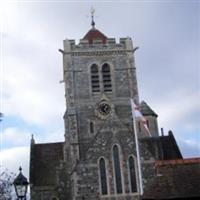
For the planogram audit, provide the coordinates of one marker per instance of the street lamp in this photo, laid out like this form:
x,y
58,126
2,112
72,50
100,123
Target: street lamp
x,y
21,185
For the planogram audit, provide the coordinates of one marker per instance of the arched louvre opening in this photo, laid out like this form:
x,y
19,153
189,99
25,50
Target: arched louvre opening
x,y
117,170
132,174
107,84
103,176
95,78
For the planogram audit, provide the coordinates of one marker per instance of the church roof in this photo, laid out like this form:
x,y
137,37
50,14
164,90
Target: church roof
x,y
176,179
95,34
146,110
44,161
162,147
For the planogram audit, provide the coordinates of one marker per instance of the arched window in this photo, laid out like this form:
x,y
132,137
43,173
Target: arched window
x,y
117,170
132,174
107,85
103,176
95,78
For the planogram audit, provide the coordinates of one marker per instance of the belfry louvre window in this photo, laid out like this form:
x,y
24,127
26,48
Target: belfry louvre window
x,y
95,78
103,176
107,85
117,168
132,175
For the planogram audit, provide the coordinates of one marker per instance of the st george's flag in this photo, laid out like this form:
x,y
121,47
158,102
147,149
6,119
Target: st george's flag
x,y
138,116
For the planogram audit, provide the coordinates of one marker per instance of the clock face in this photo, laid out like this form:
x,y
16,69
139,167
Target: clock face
x,y
103,109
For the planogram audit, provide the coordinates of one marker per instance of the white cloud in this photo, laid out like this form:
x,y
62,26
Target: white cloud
x,y
8,14
13,136
32,90
190,147
14,157
50,136
176,109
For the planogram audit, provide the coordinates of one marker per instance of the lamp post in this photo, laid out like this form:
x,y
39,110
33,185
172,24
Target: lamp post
x,y
21,185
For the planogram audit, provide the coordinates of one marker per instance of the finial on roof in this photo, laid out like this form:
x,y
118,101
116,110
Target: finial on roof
x,y
20,169
32,139
92,10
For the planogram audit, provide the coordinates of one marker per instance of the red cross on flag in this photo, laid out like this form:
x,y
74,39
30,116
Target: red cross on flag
x,y
138,115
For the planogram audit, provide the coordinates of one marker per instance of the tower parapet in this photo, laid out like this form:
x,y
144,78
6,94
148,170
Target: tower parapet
x,y
124,44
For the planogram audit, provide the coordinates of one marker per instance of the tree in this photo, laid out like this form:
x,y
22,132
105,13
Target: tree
x,y
1,116
6,184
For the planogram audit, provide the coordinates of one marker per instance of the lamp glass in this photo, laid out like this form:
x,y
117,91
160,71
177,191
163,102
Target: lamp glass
x,y
21,190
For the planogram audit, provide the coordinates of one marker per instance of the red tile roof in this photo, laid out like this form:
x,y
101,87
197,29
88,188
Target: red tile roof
x,y
177,161
94,34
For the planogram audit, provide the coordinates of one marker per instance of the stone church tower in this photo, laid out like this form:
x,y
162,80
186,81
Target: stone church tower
x,y
98,158
99,150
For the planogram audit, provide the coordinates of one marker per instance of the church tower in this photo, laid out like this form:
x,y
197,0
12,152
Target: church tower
x,y
99,150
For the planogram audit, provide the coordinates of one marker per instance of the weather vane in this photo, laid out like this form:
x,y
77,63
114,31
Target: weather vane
x,y
92,10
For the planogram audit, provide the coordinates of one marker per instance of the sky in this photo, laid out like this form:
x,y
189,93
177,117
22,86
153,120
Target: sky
x,y
32,99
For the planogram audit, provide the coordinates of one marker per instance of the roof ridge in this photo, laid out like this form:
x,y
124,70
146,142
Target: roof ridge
x,y
177,161
49,143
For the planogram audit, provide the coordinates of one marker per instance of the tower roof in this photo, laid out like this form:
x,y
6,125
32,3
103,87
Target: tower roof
x,y
95,34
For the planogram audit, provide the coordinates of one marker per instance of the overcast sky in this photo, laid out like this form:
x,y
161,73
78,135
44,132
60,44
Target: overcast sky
x,y
32,100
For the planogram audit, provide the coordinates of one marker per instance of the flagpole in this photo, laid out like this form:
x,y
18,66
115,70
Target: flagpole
x,y
137,148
